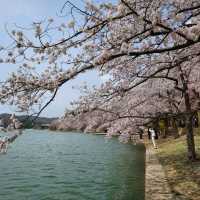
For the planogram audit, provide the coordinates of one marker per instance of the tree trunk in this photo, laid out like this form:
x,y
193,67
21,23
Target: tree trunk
x,y
156,126
189,127
166,124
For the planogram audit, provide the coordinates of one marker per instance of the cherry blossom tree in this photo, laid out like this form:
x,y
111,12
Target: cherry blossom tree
x,y
149,48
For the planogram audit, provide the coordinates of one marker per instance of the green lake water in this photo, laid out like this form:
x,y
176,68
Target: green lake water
x,y
44,165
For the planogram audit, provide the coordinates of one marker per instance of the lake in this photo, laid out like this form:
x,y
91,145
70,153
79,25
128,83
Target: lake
x,y
46,165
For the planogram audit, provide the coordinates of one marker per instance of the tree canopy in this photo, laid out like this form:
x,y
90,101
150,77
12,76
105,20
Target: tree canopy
x,y
148,48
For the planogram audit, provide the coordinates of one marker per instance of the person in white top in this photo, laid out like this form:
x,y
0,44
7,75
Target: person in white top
x,y
3,144
153,135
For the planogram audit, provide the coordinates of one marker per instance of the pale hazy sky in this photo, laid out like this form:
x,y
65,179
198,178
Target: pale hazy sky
x,y
24,12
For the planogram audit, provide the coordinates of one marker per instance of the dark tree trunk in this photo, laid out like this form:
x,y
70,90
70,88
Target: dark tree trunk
x,y
166,125
156,126
189,127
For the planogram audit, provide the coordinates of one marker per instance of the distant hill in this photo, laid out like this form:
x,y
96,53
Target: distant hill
x,y
41,122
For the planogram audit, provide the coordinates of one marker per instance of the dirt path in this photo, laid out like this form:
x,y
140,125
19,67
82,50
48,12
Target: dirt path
x,y
156,186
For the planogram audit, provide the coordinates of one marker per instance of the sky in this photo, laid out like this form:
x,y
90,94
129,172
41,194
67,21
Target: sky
x,y
23,13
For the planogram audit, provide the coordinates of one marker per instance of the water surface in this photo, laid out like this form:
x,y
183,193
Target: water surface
x,y
44,165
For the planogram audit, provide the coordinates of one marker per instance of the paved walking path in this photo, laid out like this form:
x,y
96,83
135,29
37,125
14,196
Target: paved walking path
x,y
156,186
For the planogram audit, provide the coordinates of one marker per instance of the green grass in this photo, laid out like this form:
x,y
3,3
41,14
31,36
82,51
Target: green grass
x,y
183,176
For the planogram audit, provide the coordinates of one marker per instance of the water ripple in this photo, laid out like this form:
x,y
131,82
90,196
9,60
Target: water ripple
x,y
45,166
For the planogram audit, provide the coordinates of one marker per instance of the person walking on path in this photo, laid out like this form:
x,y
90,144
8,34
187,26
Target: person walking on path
x,y
3,144
153,136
